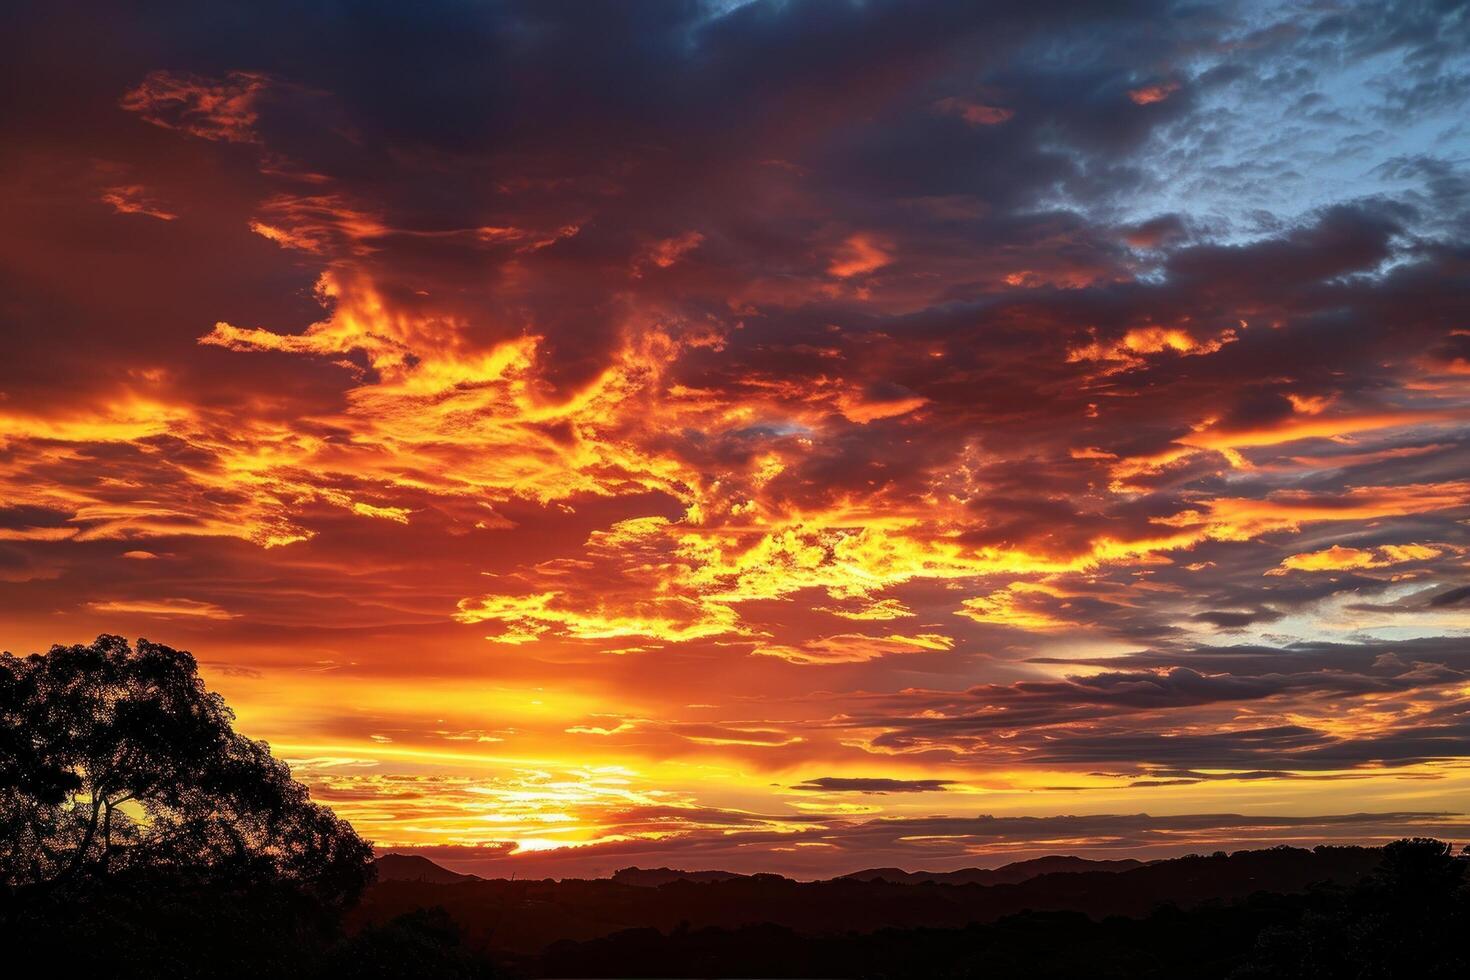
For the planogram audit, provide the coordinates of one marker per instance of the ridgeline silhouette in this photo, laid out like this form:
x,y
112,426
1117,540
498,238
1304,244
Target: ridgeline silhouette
x,y
141,836
1398,911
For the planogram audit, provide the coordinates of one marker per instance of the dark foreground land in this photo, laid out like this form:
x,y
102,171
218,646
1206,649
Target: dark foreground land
x,y
1329,912
1282,912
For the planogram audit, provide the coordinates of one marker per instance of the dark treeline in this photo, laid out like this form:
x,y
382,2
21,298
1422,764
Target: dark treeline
x,y
1409,918
1328,912
526,916
141,836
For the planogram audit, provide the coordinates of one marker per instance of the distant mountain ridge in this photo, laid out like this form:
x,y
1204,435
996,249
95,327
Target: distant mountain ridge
x,y
412,867
415,867
654,877
1204,916
1008,874
526,916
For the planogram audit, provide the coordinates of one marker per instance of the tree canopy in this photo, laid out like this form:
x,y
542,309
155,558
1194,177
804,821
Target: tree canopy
x,y
117,760
141,836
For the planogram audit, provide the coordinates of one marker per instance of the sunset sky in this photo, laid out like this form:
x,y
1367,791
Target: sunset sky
x,y
785,436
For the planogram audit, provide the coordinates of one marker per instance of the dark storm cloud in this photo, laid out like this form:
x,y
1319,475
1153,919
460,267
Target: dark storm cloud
x,y
1301,657
837,784
1183,717
1230,619
1450,598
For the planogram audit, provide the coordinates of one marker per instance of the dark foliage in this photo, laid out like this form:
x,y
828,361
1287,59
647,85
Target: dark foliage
x,y
1410,919
422,943
141,836
116,760
1033,944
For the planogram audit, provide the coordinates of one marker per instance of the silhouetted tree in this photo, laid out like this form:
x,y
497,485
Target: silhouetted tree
x,y
114,760
1407,919
141,836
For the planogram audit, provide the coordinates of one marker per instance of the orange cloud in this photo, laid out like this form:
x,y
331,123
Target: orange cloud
x,y
882,609
1133,348
853,648
863,409
1015,605
859,255
1340,558
135,199
1307,426
974,113
527,618
1240,519
316,223
1149,94
164,608
224,109
664,253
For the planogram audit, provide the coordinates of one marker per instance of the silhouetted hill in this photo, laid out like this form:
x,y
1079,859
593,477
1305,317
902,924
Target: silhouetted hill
x,y
1008,874
412,867
654,877
526,917
1406,918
